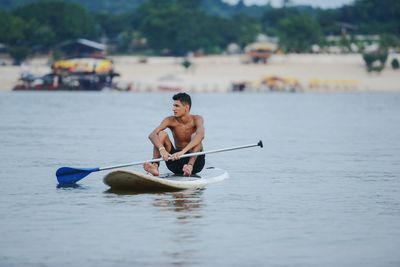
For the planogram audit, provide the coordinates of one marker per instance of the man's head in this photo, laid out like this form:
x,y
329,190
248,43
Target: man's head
x,y
182,104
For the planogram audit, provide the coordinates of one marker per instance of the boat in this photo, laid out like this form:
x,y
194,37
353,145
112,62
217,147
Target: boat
x,y
76,74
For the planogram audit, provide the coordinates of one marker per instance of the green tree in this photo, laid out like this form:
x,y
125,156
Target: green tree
x,y
13,34
298,32
189,4
59,21
19,53
373,16
160,23
395,64
375,62
389,40
246,29
177,27
125,39
327,19
112,25
12,29
39,34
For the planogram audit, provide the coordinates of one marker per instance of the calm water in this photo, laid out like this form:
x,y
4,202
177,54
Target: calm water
x,y
325,190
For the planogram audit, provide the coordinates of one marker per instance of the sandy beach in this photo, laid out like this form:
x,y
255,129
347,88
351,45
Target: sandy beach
x,y
311,73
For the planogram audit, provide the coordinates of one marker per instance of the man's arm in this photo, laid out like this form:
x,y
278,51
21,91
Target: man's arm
x,y
198,136
196,144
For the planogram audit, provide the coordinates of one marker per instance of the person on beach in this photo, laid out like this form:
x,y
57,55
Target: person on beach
x,y
188,134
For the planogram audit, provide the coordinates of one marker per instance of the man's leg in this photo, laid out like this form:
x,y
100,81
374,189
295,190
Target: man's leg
x,y
166,142
188,168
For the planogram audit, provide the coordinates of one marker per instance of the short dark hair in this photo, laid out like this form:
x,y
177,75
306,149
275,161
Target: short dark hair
x,y
184,98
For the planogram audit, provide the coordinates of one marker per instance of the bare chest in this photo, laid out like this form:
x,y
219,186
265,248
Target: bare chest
x,y
182,131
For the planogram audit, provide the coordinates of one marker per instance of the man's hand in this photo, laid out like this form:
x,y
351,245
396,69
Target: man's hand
x,y
187,169
164,154
177,155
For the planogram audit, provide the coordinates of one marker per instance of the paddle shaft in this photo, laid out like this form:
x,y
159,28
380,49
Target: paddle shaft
x,y
260,144
69,175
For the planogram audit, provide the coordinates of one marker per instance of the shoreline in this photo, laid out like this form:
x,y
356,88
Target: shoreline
x,y
310,72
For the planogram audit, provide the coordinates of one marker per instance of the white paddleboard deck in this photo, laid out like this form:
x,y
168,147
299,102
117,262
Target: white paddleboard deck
x,y
133,180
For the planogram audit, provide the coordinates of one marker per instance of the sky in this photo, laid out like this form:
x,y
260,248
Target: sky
x,y
315,3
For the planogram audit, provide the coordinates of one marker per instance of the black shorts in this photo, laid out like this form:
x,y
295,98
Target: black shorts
x,y
177,165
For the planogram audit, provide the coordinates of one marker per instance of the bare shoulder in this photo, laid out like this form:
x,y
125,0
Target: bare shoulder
x,y
198,119
168,121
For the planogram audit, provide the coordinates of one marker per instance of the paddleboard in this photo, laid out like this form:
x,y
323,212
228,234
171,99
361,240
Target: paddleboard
x,y
138,181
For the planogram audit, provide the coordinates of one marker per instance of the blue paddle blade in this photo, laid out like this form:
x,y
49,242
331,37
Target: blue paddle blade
x,y
67,175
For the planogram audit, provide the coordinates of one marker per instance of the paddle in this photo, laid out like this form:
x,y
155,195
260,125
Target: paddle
x,y
68,175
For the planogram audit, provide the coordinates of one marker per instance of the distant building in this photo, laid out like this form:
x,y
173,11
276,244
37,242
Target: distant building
x,y
80,48
259,52
261,38
233,49
346,28
337,44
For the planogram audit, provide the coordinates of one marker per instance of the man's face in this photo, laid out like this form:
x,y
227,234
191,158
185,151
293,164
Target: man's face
x,y
179,109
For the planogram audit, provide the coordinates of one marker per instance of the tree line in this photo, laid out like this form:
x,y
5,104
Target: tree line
x,y
176,27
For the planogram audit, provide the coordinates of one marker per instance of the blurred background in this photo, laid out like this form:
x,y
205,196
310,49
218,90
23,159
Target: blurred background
x,y
200,45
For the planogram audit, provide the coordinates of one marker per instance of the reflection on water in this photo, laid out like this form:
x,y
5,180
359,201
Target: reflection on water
x,y
70,186
189,200
187,203
187,208
182,209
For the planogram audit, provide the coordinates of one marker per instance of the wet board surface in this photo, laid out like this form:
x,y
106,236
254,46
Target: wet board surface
x,y
134,180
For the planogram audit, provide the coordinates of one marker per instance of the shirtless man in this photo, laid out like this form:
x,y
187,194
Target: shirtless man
x,y
188,133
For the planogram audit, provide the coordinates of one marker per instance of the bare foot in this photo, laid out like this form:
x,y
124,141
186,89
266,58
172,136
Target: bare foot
x,y
151,168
